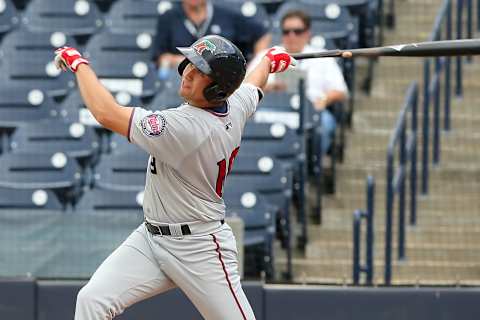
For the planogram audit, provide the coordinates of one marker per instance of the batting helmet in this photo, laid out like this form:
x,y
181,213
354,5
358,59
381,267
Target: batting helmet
x,y
221,60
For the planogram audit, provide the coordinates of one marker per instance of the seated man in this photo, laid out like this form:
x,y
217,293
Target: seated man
x,y
190,20
324,80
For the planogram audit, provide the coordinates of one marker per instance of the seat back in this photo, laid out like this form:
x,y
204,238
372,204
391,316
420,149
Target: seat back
x,y
72,17
135,16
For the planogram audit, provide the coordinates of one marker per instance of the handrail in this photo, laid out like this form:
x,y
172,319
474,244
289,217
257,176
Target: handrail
x,y
432,88
432,95
406,145
368,215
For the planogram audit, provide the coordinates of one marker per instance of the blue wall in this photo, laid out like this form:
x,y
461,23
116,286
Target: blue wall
x,y
27,299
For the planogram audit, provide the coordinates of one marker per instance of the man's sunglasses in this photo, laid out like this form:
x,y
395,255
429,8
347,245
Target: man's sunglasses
x,y
297,32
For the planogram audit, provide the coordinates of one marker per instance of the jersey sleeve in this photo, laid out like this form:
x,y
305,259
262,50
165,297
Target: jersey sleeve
x,y
168,135
248,96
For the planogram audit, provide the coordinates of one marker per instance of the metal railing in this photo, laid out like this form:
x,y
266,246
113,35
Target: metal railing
x,y
432,89
406,142
368,215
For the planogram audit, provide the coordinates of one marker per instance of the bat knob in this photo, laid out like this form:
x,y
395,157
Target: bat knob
x,y
347,54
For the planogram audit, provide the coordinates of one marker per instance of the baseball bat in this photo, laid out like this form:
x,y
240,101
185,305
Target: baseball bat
x,y
420,49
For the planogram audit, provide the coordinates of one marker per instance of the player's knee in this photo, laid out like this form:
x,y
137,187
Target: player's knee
x,y
92,302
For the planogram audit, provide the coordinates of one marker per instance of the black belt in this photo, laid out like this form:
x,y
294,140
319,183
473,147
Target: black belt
x,y
165,229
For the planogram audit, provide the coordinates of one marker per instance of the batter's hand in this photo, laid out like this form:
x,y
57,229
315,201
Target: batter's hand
x,y
68,57
280,60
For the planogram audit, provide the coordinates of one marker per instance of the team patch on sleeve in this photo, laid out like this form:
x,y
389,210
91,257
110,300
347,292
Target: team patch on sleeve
x,y
153,125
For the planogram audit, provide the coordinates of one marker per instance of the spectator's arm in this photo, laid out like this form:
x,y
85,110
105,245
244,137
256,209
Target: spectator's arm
x,y
330,97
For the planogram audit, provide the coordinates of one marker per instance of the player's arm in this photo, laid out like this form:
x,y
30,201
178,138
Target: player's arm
x,y
275,60
95,96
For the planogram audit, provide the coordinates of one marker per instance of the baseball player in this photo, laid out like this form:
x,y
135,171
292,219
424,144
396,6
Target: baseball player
x,y
183,241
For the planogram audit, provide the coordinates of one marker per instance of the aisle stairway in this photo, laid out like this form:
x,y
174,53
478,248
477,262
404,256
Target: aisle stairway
x,y
442,247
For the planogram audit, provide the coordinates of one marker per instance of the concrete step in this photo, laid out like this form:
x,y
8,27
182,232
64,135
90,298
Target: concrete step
x,y
416,236
427,253
449,153
440,223
434,202
466,179
306,270
388,118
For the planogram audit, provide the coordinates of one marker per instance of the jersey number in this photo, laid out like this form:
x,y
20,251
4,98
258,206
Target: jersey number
x,y
153,166
222,171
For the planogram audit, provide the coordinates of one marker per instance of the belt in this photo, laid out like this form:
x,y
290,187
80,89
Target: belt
x,y
175,229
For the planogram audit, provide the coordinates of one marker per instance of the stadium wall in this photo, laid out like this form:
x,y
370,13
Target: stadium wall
x,y
28,299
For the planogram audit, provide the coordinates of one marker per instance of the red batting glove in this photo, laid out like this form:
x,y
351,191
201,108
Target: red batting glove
x,y
68,57
280,60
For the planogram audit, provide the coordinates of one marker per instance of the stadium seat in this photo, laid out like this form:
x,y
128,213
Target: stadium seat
x,y
120,145
165,99
122,62
121,172
28,61
21,105
72,17
36,73
56,172
34,45
74,139
259,220
11,198
9,18
101,199
135,16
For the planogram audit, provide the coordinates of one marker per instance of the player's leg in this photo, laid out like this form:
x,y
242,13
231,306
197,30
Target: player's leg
x,y
128,275
209,275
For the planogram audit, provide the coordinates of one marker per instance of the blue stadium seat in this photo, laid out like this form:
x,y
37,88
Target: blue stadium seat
x,y
123,63
259,221
167,98
56,172
120,145
36,73
9,17
73,109
122,172
74,139
135,16
21,105
101,199
72,17
34,45
11,198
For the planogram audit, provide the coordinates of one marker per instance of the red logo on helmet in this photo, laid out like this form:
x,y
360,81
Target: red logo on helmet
x,y
204,45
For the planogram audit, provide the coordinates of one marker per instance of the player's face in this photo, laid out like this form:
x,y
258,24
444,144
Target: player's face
x,y
295,35
192,85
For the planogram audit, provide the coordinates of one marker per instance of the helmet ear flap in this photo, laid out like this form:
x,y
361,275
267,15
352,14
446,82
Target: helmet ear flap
x,y
182,66
213,93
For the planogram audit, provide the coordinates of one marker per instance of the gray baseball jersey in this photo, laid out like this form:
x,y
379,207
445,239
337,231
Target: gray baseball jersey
x,y
191,152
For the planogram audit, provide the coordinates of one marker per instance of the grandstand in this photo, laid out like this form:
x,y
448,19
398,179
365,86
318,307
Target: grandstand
x,y
71,191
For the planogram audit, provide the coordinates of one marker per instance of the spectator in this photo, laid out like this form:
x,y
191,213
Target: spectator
x,y
325,84
190,20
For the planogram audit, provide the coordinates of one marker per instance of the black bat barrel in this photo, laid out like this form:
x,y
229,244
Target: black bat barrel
x,y
421,49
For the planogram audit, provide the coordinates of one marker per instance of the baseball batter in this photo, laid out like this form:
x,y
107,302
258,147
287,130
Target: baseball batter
x,y
184,241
